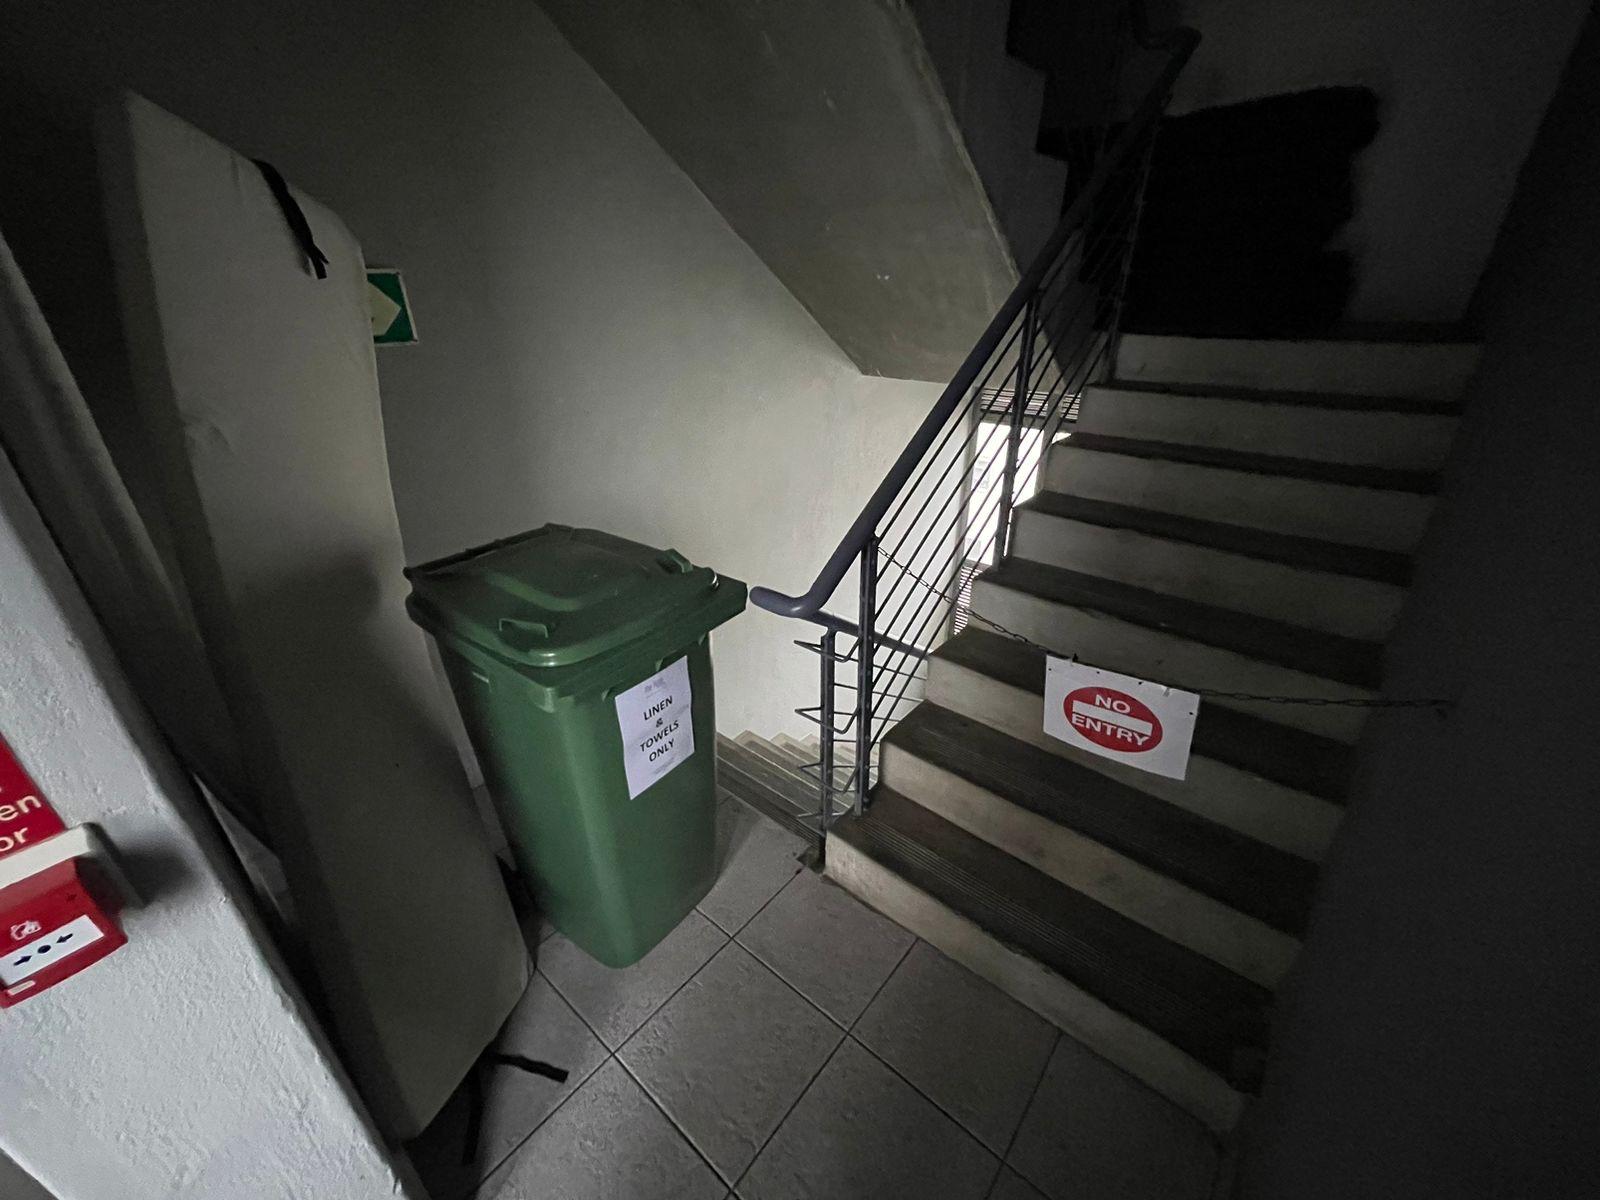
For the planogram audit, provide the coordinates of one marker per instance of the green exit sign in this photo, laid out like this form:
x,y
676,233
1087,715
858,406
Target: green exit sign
x,y
391,311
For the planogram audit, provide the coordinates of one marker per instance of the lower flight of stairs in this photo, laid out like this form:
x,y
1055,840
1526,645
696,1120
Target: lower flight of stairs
x,y
1228,515
769,775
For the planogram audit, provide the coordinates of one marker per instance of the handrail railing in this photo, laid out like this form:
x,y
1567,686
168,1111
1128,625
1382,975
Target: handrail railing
x,y
1180,43
943,511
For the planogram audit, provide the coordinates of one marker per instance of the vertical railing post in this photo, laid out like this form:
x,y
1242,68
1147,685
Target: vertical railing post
x,y
868,613
1019,409
825,767
1114,328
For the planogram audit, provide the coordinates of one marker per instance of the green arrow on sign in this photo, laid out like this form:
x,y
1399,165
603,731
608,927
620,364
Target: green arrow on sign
x,y
391,311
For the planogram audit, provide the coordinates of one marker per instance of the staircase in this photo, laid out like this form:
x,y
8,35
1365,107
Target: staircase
x,y
1227,515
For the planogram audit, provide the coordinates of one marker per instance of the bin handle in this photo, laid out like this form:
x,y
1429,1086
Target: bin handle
x,y
674,563
616,689
533,631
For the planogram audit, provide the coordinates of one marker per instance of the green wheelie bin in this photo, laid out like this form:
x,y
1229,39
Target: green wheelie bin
x,y
581,664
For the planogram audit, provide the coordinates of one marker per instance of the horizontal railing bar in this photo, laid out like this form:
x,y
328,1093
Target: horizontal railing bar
x,y
933,595
988,506
840,625
805,714
985,498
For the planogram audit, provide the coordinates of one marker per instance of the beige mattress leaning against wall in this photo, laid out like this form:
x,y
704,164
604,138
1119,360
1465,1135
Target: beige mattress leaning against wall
x,y
257,385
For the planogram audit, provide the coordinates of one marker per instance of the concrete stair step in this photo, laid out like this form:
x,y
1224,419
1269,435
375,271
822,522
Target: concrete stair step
x,y
1238,901
1388,479
1279,785
1260,424
1353,661
1257,493
1311,554
1180,557
1431,370
1175,1019
1182,644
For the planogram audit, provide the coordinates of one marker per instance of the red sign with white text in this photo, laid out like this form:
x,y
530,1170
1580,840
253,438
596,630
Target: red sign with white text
x,y
1113,719
1128,720
26,817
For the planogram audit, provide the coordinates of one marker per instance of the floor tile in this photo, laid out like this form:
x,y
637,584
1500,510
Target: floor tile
x,y
756,858
835,950
1011,1186
1093,1130
606,1143
728,1056
616,1002
862,1131
964,1043
542,1027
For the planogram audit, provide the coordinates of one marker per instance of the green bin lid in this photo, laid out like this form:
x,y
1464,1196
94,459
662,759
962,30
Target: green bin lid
x,y
558,596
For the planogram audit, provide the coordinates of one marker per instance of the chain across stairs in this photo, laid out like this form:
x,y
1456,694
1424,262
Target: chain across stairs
x,y
1439,705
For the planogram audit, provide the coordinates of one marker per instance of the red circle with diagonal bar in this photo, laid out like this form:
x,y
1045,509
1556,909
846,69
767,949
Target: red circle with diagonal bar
x,y
1112,719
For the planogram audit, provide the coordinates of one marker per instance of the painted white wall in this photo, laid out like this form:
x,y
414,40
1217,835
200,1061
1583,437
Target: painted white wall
x,y
1462,86
598,346
179,1066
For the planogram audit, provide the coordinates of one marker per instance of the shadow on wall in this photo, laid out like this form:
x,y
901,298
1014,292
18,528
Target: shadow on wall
x,y
50,209
1242,213
1440,1036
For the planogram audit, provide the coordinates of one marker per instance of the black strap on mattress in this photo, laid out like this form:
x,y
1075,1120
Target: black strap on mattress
x,y
292,213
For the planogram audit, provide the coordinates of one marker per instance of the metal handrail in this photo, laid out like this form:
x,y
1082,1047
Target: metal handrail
x,y
945,507
1180,44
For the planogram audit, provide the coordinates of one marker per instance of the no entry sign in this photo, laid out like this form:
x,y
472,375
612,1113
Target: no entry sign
x,y
1128,720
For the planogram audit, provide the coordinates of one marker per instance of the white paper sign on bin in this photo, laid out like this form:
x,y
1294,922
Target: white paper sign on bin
x,y
657,722
1120,717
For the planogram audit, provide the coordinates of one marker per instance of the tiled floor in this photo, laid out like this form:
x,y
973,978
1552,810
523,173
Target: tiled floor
x,y
786,1042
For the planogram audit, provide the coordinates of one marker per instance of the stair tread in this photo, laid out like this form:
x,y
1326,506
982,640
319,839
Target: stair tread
x,y
1197,1005
1343,401
1293,757
1313,554
1327,655
1266,883
1423,483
